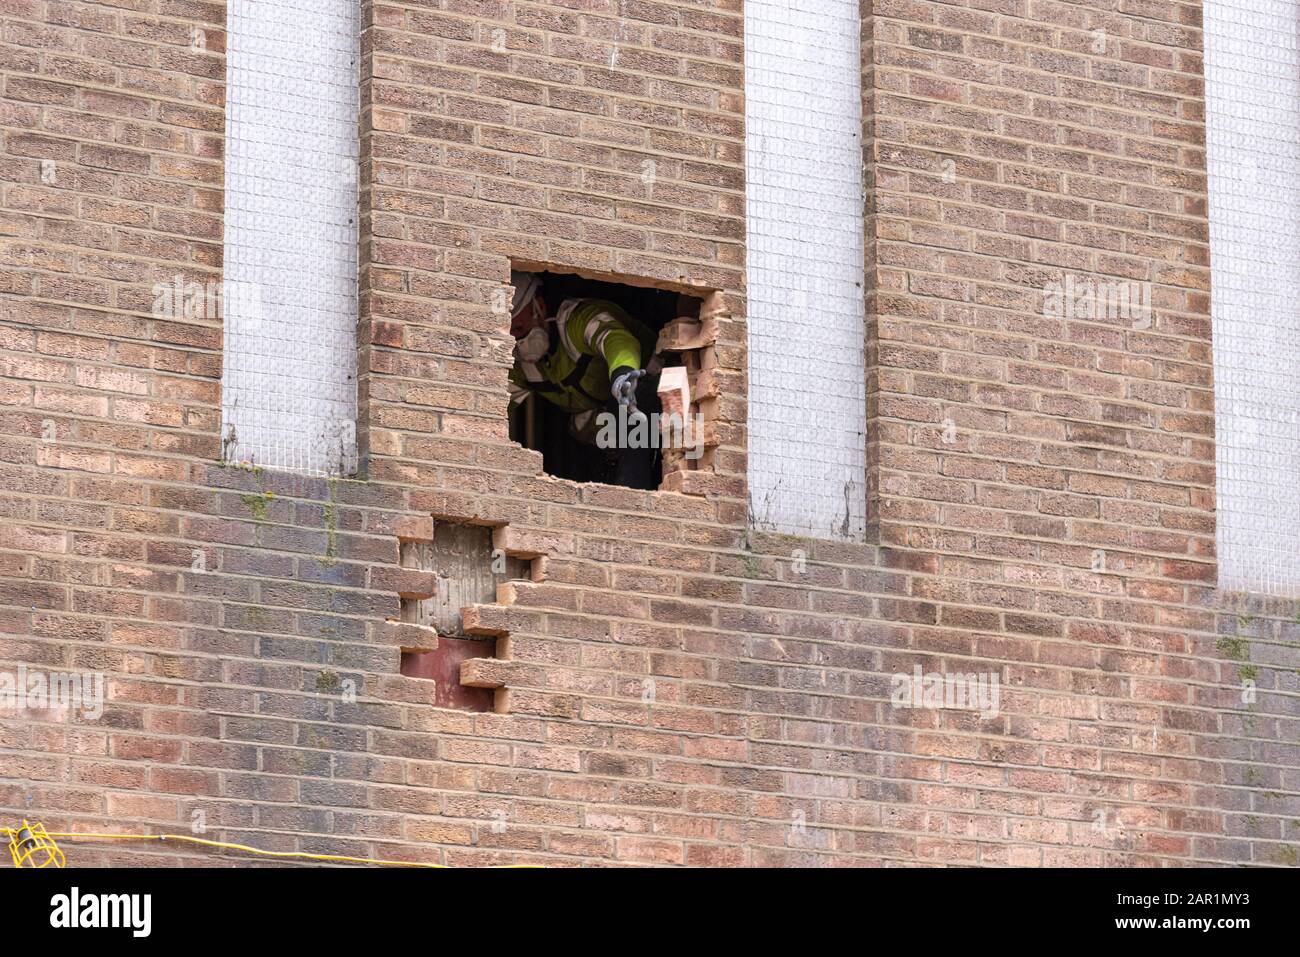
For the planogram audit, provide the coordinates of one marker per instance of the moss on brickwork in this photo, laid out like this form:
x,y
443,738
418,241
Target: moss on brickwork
x,y
257,504
332,523
1232,646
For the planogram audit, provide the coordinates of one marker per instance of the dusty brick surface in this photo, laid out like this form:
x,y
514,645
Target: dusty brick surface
x,y
676,690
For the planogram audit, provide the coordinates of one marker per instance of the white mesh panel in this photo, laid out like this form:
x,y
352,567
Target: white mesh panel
x,y
289,393
1253,138
807,403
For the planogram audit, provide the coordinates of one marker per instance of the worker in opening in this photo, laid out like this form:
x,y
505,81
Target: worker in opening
x,y
586,359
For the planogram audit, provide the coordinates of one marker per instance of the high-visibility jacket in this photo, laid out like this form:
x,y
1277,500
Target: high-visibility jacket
x,y
590,338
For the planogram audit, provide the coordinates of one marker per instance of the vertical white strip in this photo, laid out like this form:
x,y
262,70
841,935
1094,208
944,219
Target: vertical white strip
x,y
289,386
805,212
1253,139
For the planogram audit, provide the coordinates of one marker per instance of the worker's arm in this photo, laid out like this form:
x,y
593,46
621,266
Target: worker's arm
x,y
603,335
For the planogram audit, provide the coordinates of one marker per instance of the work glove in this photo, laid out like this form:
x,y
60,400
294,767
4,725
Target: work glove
x,y
623,386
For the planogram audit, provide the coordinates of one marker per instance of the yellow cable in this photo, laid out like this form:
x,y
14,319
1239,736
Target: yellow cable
x,y
75,835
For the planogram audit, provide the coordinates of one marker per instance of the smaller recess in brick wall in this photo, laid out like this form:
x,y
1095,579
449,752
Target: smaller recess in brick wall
x,y
612,383
467,570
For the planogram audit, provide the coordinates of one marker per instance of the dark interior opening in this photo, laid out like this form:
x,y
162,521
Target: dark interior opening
x,y
543,426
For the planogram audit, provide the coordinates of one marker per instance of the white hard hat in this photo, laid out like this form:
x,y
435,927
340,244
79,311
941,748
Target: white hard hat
x,y
526,284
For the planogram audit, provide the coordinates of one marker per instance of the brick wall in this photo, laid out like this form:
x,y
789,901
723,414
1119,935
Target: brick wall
x,y
674,689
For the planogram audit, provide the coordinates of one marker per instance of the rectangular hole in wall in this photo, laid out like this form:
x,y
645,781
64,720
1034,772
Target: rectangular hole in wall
x,y
468,572
441,667
570,416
